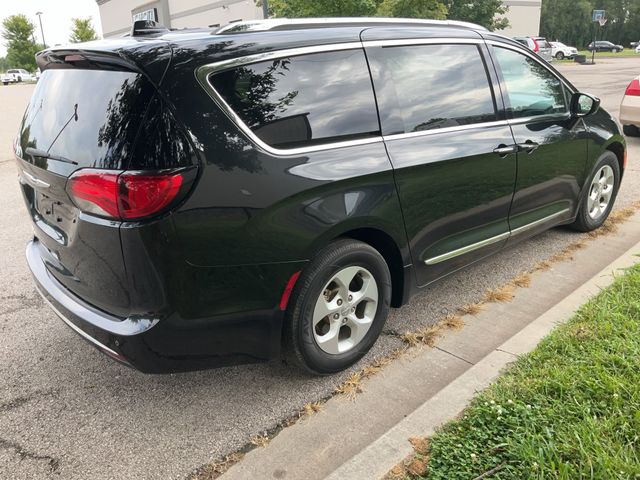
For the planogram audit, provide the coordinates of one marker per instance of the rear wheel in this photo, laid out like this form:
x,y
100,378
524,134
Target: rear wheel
x,y
560,56
338,307
598,198
631,130
615,50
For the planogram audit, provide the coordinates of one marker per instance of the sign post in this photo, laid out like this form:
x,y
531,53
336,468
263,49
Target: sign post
x,y
598,16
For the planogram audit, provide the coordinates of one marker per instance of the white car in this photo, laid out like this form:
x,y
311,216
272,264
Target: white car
x,y
6,78
560,51
630,109
21,75
638,49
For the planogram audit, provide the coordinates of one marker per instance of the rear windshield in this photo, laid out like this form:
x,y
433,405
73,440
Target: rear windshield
x,y
87,116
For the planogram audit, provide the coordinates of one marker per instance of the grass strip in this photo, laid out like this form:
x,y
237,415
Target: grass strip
x,y
568,410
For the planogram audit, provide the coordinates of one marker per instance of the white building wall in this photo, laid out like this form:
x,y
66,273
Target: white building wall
x,y
116,15
524,18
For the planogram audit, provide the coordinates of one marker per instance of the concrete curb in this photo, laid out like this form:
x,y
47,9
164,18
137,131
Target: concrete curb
x,y
413,395
382,455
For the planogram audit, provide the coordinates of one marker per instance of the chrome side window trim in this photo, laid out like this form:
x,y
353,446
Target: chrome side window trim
x,y
435,131
495,239
203,72
423,41
202,75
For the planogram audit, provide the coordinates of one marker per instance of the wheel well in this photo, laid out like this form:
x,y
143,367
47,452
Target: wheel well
x,y
618,150
387,247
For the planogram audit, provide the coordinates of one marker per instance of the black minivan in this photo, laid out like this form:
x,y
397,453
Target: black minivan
x,y
203,198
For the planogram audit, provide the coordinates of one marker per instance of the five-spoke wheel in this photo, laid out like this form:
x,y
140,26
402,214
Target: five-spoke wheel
x,y
338,307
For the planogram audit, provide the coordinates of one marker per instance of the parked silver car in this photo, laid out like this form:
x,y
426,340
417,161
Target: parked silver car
x,y
537,44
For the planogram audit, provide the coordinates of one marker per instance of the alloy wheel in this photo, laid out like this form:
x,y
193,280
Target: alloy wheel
x,y
600,192
345,310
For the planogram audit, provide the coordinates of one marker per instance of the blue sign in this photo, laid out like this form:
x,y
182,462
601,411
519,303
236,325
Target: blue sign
x,y
598,15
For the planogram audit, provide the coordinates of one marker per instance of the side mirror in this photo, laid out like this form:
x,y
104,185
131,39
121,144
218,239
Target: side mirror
x,y
583,104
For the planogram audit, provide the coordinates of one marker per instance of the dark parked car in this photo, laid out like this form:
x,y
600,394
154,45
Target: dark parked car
x,y
205,198
604,46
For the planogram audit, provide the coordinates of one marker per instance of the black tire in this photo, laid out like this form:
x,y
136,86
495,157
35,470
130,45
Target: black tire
x,y
614,50
631,130
584,222
560,56
299,345
19,79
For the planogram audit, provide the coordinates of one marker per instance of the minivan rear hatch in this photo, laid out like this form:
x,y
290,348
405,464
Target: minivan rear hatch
x,y
79,118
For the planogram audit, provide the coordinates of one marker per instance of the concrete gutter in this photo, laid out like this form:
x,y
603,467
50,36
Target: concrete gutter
x,y
416,394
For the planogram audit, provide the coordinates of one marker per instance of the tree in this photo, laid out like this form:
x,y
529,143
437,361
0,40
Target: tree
x,y
432,9
322,8
82,30
483,12
17,30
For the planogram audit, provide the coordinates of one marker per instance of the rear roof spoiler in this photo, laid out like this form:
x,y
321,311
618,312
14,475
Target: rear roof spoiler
x,y
147,27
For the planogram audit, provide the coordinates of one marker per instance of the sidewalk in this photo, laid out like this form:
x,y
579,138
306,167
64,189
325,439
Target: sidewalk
x,y
365,438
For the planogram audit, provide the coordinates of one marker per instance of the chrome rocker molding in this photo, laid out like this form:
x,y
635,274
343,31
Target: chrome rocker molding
x,y
492,240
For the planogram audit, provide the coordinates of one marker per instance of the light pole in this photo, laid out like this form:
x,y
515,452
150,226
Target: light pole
x,y
44,44
265,8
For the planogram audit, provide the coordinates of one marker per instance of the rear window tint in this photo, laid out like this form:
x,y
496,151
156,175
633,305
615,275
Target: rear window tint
x,y
426,87
304,100
88,116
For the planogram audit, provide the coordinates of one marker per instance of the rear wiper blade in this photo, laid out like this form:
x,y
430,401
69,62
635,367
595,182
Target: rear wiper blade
x,y
34,152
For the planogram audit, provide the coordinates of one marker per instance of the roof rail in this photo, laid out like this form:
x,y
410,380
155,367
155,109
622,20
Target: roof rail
x,y
302,23
147,27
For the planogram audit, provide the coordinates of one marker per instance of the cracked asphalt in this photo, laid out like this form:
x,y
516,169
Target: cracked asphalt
x,y
67,411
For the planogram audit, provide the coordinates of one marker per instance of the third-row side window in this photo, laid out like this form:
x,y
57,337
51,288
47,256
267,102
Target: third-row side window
x,y
305,100
425,87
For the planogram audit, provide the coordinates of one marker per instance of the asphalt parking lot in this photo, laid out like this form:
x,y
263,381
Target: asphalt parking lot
x,y
67,411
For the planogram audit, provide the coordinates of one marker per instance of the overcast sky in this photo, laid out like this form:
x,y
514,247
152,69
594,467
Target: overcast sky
x,y
56,17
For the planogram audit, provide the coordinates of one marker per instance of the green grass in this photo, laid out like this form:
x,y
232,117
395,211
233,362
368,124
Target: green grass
x,y
627,52
568,410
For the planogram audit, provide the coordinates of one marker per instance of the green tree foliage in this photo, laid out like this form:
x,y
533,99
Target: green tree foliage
x,y
17,31
488,13
570,21
322,8
3,64
413,9
82,30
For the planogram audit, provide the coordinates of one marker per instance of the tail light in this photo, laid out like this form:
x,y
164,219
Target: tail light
x,y
123,195
633,89
536,47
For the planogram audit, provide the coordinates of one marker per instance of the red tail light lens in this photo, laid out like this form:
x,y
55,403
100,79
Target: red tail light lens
x,y
536,47
633,89
122,195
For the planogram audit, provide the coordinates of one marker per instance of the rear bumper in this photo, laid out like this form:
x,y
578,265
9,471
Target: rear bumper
x,y
630,110
162,344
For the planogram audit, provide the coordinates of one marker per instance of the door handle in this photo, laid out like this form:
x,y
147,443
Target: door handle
x,y
527,146
503,150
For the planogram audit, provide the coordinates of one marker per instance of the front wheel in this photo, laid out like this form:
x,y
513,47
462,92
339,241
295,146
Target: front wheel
x,y
598,198
560,56
338,307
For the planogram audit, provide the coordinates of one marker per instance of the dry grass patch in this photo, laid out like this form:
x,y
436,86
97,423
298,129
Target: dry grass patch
x,y
454,322
312,408
260,441
425,336
351,386
419,444
500,294
471,309
522,280
542,266
417,467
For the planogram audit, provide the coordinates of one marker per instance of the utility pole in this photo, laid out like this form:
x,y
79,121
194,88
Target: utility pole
x,y
44,44
265,8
